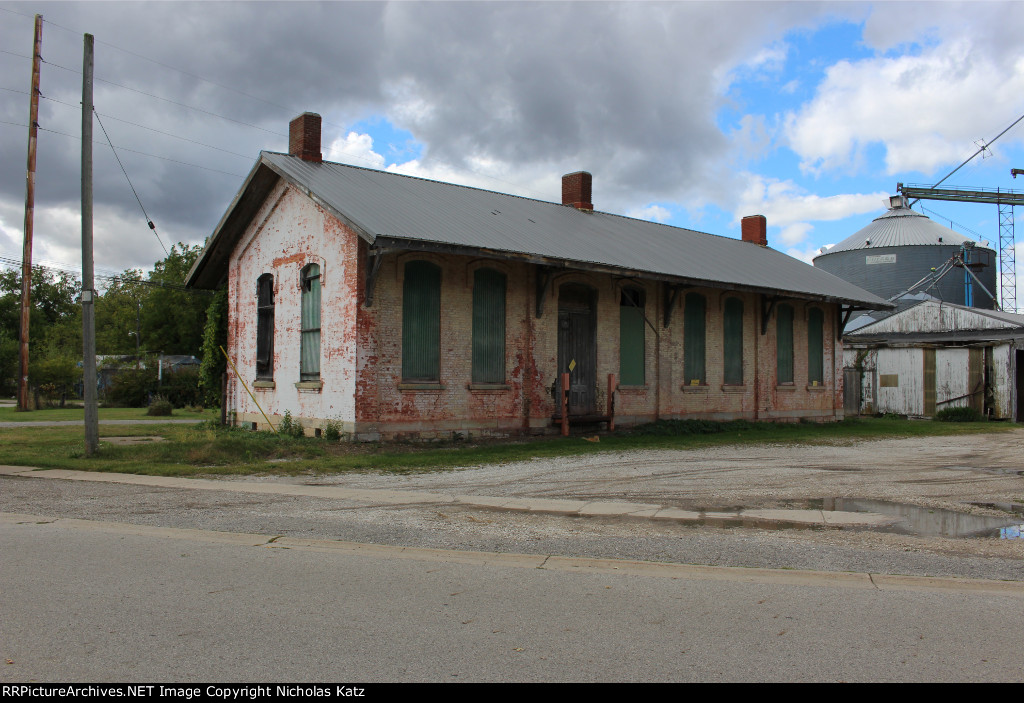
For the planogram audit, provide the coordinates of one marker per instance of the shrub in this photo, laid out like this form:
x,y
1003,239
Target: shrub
x,y
960,414
159,406
331,430
290,427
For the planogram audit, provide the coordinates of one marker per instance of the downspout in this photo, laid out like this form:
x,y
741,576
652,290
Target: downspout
x,y
528,361
757,364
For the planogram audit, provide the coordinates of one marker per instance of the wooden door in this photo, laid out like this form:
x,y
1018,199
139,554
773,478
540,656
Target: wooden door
x,y
577,346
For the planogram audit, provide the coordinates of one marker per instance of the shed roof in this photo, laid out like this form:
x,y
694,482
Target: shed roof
x,y
935,320
396,211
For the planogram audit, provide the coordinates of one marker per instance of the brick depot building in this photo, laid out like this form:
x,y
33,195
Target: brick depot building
x,y
404,307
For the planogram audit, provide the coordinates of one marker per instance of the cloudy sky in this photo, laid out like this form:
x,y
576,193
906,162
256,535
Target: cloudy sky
x,y
689,113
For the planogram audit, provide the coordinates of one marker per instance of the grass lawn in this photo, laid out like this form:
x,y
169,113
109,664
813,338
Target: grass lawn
x,y
193,450
11,414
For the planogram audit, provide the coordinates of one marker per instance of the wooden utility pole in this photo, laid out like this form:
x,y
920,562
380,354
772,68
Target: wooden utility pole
x,y
92,430
30,204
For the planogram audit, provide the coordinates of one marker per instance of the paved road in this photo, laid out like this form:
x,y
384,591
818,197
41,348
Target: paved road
x,y
70,423
96,601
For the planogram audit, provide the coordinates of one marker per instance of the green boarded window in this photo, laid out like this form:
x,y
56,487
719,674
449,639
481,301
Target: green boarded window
x,y
488,326
421,322
733,342
784,343
631,337
309,356
815,347
694,339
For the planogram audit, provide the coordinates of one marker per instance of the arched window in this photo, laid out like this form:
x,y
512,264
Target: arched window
x,y
732,342
488,326
694,340
784,344
815,347
631,337
421,322
265,327
309,357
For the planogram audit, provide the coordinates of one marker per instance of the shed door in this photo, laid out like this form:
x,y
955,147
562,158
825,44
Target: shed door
x,y
929,382
851,391
577,346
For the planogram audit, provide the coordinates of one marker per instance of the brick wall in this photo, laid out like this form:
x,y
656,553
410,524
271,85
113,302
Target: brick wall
x,y
361,346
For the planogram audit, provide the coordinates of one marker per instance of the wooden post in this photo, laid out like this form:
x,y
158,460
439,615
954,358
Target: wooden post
x,y
30,201
92,429
565,404
611,402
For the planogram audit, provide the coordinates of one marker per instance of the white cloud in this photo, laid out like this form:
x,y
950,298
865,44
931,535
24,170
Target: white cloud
x,y
795,233
785,203
356,149
926,109
654,213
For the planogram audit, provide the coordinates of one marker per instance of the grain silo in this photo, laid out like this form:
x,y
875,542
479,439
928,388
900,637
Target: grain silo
x,y
901,247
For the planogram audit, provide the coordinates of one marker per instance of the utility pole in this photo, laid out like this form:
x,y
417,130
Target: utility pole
x,y
30,204
92,430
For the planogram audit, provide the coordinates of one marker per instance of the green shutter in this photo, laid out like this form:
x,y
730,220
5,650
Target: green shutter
x,y
733,342
631,338
815,347
694,341
488,326
784,343
309,354
421,322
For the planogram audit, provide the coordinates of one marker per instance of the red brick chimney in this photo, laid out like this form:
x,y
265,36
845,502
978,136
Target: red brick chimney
x,y
576,190
304,137
755,229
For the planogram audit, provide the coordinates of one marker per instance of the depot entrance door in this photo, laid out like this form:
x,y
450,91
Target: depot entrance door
x,y
577,345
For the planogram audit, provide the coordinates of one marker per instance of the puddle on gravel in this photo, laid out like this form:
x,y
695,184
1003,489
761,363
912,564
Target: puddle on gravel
x,y
932,522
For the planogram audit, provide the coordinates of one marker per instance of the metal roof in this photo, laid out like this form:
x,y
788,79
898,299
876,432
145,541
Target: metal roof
x,y
392,209
936,319
899,227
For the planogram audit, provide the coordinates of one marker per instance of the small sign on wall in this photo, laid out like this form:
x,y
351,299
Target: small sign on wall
x,y
889,380
880,259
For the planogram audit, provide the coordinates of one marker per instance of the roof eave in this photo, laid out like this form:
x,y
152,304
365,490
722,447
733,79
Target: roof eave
x,y
385,242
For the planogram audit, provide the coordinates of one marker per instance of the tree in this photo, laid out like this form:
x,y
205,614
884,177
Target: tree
x,y
55,323
173,317
119,314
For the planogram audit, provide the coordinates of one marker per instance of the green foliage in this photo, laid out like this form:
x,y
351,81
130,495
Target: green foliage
x,y
960,414
173,319
679,428
136,388
290,427
215,335
55,323
331,430
160,406
119,314
132,388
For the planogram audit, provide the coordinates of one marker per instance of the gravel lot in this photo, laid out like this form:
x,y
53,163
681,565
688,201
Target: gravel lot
x,y
944,472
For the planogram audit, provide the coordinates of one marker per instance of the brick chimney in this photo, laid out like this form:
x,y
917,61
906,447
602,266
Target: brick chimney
x,y
304,137
576,190
755,229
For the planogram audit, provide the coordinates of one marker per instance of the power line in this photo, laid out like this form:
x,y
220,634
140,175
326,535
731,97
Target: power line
x,y
133,151
151,129
148,220
112,278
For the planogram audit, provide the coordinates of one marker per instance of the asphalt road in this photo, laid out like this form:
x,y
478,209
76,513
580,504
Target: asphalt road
x,y
93,601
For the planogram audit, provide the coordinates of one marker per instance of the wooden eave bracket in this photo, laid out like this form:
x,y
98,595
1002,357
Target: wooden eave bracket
x,y
671,296
373,259
848,310
544,276
767,310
